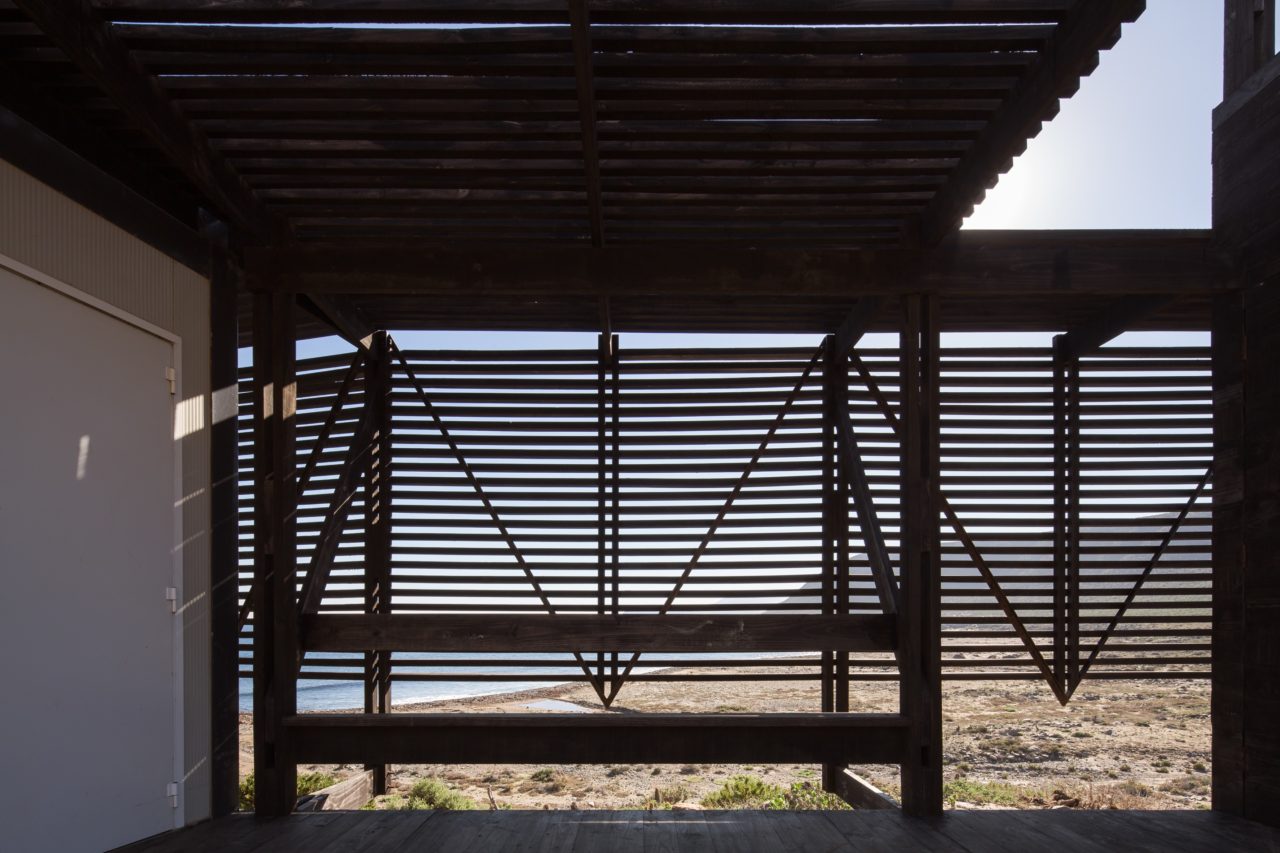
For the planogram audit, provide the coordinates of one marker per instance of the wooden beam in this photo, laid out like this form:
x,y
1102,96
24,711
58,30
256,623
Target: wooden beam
x,y
580,24
1087,338
406,632
1072,52
599,738
341,316
856,324
855,474
987,263
76,27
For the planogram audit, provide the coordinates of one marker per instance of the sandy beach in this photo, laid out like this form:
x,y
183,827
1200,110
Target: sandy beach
x,y
1126,744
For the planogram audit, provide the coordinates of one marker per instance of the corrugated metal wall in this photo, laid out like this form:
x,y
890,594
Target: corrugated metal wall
x,y
45,230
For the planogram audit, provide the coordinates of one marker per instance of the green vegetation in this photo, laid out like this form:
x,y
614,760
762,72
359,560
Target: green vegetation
x,y
543,774
750,792
981,793
743,792
308,783
434,794
806,796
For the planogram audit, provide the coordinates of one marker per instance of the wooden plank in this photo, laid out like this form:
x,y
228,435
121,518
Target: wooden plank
x,y
75,27
378,532
451,632
920,651
224,531
598,738
580,24
978,263
552,11
860,793
346,795
1090,26
275,632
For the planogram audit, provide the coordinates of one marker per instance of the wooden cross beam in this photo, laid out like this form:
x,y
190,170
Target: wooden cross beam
x,y
340,315
1088,338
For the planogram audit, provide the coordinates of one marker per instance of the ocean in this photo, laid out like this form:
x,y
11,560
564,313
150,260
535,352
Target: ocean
x,y
331,695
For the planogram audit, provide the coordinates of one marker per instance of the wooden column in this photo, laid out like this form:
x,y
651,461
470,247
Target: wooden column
x,y
921,612
1066,515
831,522
1246,568
377,531
275,622
1249,40
224,545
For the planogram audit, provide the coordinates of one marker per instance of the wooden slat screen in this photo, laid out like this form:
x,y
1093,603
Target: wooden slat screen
x,y
534,481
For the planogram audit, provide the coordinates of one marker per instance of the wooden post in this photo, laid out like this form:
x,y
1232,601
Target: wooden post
x,y
1227,703
377,531
275,624
1066,515
1249,40
224,545
831,522
920,659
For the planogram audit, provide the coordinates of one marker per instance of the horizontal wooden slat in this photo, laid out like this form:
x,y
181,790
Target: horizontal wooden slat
x,y
598,738
631,633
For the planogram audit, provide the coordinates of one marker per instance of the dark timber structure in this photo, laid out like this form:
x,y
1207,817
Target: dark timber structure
x,y
693,166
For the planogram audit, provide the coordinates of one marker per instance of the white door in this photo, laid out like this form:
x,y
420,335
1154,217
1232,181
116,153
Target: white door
x,y
87,701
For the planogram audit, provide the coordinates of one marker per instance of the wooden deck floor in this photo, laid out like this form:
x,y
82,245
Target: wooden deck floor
x,y
721,832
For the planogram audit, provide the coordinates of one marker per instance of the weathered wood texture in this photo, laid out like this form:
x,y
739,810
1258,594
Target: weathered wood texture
x,y
275,650
631,633
860,793
1249,41
598,738
1247,580
653,124
1246,174
94,47
224,533
920,651
1041,831
346,795
1229,457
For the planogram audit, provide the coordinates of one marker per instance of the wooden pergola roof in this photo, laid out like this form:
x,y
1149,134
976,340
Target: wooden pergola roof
x,y
793,156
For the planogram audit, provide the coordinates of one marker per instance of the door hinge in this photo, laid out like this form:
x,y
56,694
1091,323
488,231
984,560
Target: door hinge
x,y
171,376
171,596
172,791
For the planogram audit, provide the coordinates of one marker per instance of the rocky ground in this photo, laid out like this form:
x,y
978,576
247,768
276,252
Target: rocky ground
x,y
1124,744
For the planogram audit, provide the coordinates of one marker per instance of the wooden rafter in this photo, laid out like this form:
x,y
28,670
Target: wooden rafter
x,y
1087,338
1090,26
340,315
79,31
580,22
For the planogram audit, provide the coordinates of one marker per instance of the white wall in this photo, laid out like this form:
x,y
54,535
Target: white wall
x,y
52,234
